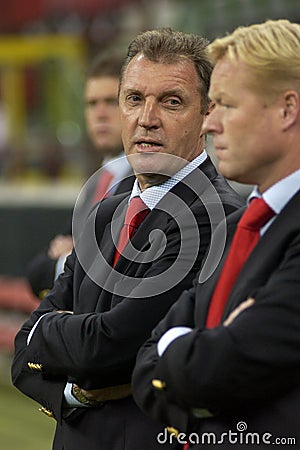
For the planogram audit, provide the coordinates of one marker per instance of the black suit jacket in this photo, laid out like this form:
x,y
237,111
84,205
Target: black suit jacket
x,y
115,311
247,372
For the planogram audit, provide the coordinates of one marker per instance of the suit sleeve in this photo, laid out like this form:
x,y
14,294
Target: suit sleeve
x,y
40,270
41,273
148,399
252,360
48,391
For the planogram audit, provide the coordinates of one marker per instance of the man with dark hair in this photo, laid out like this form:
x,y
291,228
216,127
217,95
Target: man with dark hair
x,y
104,130
133,257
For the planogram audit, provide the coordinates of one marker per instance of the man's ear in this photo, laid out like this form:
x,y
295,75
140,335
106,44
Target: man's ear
x,y
290,110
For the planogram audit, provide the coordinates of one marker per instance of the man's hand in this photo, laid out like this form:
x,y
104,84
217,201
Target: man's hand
x,y
59,246
106,394
244,305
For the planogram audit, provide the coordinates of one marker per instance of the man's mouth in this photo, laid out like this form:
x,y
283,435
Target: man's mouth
x,y
102,129
148,145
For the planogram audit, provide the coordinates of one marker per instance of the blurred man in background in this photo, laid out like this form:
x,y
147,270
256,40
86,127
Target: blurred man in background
x,y
104,130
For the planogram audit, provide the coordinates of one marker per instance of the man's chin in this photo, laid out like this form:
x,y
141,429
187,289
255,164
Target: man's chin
x,y
147,180
155,164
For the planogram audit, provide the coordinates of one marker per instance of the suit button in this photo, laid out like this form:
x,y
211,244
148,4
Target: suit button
x,y
173,431
35,367
46,411
158,384
42,294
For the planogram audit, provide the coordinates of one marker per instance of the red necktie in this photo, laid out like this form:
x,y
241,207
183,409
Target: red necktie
x,y
245,238
102,186
135,214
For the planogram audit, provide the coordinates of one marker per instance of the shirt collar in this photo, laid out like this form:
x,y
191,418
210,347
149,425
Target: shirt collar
x,y
280,193
117,165
152,195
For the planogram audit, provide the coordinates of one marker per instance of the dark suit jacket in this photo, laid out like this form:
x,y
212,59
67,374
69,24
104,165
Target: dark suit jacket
x,y
40,271
247,372
115,311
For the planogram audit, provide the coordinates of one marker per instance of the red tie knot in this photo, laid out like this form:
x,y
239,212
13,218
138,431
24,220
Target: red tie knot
x,y
136,212
256,215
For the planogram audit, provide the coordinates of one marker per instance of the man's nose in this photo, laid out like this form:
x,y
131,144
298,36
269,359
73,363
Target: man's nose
x,y
149,116
101,108
211,123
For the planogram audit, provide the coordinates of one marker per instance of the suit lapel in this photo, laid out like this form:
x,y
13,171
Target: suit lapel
x,y
267,254
110,216
205,290
112,231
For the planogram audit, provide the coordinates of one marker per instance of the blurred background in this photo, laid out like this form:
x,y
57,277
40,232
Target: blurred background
x,y
45,47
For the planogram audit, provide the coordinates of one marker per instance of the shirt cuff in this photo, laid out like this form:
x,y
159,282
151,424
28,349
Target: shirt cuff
x,y
70,400
59,267
169,337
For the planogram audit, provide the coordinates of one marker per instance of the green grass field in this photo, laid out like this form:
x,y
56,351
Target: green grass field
x,y
22,426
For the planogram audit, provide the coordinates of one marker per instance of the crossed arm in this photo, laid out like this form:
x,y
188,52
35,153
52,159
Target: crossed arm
x,y
251,357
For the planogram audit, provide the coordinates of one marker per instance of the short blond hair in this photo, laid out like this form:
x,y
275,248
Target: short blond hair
x,y
271,49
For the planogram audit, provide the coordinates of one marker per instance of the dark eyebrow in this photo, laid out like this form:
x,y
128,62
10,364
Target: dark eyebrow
x,y
170,92
132,91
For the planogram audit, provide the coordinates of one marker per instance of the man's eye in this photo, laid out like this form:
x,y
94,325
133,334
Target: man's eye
x,y
133,98
91,103
223,104
173,102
